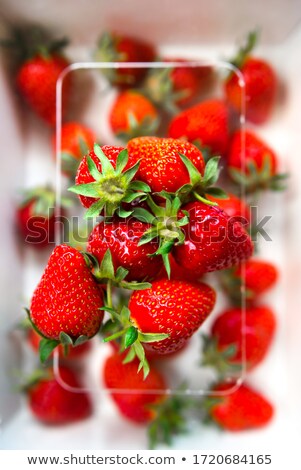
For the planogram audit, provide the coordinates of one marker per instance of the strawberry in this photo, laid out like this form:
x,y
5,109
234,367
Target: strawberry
x,y
176,85
252,163
67,300
54,403
234,207
206,122
132,115
114,47
73,353
213,240
104,181
122,237
239,340
76,141
161,166
254,275
241,409
177,272
260,85
36,217
134,406
175,308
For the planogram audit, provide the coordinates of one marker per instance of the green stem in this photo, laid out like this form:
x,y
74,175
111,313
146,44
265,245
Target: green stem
x,y
115,335
109,294
203,199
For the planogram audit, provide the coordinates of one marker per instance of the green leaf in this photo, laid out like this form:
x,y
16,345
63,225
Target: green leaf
x,y
107,267
148,236
80,340
166,263
219,193
211,171
194,173
93,169
46,347
106,165
143,215
123,213
130,173
152,337
139,186
95,209
135,285
89,189
130,356
166,247
121,274
130,336
65,339
122,160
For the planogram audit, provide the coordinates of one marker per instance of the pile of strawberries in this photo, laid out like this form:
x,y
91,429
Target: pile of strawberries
x,y
161,225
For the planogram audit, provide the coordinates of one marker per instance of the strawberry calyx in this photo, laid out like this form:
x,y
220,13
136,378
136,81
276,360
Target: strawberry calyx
x,y
160,90
112,186
147,126
34,378
244,51
169,417
253,179
108,52
31,41
130,337
71,162
233,286
219,360
43,201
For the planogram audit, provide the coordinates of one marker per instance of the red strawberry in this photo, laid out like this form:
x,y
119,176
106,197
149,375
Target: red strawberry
x,y
36,217
36,81
260,85
161,166
113,47
67,299
76,141
133,115
122,238
73,353
177,273
177,85
255,275
234,207
133,401
206,122
213,240
53,403
232,330
176,308
241,409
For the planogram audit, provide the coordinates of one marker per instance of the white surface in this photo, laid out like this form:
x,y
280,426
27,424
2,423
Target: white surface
x,y
278,377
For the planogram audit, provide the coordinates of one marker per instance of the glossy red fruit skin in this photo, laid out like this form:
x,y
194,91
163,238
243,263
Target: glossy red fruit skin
x,y
177,273
161,167
260,90
83,175
133,401
53,404
257,329
67,298
177,308
130,102
73,353
247,147
36,230
130,49
234,207
71,133
121,236
241,409
36,81
214,241
206,122
257,275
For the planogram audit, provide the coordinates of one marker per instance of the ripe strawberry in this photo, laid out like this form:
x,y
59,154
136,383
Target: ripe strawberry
x,y
36,217
260,87
176,308
133,115
113,47
241,409
73,353
255,275
122,238
177,273
177,85
67,299
76,141
234,333
161,166
234,207
52,403
206,122
133,401
213,240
